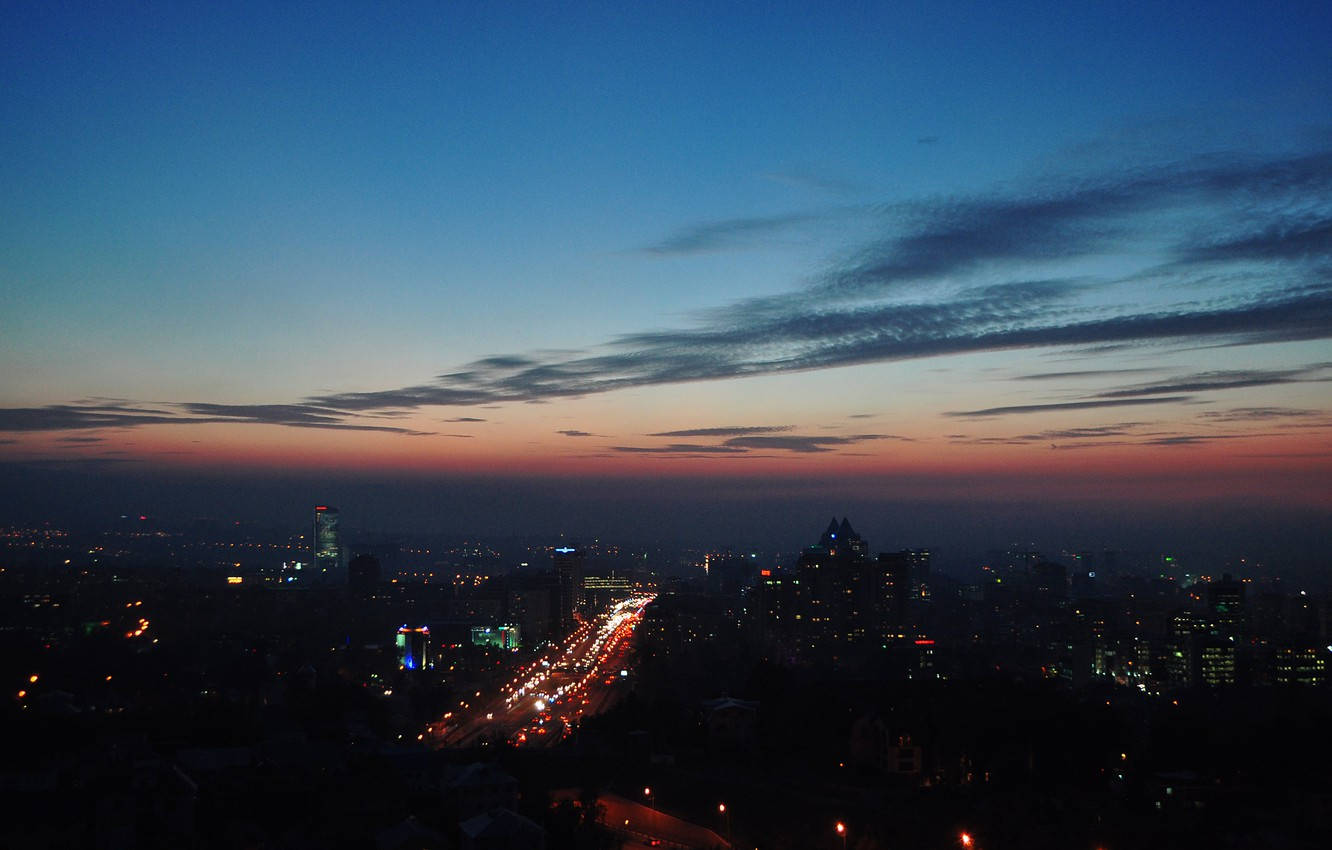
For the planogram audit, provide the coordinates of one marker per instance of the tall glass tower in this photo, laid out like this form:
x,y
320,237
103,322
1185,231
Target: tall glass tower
x,y
327,544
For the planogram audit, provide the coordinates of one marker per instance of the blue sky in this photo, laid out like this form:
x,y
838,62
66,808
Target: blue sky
x,y
280,227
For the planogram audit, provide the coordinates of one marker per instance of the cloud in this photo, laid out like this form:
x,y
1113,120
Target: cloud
x,y
728,233
77,440
89,416
802,444
1064,405
1193,439
464,419
69,417
1299,239
724,431
1258,414
904,296
1219,250
748,439
294,415
678,448
1082,373
1121,429
1223,380
574,433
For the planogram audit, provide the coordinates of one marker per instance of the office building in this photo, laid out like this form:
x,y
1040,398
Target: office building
x,y
501,637
327,545
413,645
568,563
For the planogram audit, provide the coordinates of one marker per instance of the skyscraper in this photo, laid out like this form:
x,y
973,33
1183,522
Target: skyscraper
x,y
327,544
413,645
895,592
568,562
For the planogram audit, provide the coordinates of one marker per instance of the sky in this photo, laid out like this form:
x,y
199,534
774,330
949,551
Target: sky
x,y
979,270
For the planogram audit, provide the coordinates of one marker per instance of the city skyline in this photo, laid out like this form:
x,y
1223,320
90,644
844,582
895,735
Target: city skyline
x,y
1036,268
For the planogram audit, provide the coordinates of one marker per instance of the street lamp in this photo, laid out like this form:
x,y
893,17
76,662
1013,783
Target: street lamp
x,y
647,792
841,830
967,840
726,817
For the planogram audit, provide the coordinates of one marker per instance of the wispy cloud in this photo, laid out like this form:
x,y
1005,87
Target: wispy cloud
x,y
1245,259
1260,414
724,431
91,415
1064,405
1224,380
1080,374
750,439
464,419
898,299
571,432
729,233
802,444
678,448
1104,436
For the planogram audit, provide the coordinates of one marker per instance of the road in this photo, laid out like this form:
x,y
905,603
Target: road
x,y
570,679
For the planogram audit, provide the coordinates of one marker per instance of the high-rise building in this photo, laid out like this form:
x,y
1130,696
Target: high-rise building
x,y
1225,602
895,589
1300,665
838,595
327,544
413,648
568,563
920,574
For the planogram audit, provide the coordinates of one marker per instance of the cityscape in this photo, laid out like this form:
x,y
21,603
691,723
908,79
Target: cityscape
x,y
218,685
706,426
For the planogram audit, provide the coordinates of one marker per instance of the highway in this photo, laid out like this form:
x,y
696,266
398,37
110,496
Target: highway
x,y
576,677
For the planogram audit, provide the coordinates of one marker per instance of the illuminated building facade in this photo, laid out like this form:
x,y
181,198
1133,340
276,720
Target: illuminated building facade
x,y
327,544
895,587
1300,665
502,637
413,647
1218,662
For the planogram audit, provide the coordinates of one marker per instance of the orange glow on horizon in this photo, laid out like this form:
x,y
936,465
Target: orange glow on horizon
x,y
1283,468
